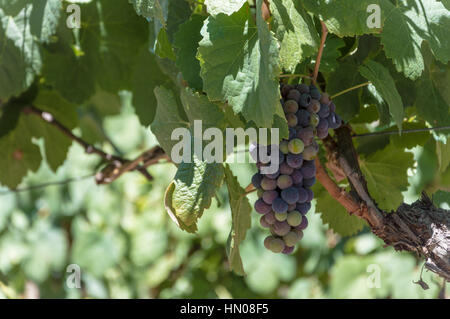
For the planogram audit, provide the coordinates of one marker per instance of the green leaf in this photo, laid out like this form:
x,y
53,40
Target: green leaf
x,y
191,192
44,18
417,21
19,154
245,79
295,31
241,220
20,58
347,17
410,139
179,13
335,215
149,9
386,175
443,155
186,41
228,7
331,53
56,144
146,77
345,76
163,47
382,80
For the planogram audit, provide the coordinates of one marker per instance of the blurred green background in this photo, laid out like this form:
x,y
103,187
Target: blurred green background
x,y
127,246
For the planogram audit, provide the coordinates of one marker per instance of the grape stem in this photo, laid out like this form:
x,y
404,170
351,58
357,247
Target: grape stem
x,y
319,54
350,89
306,76
417,130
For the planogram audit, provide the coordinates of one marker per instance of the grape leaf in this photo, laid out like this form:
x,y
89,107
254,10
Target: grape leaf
x,y
146,76
417,21
382,80
215,7
44,18
191,192
347,17
386,175
334,214
331,53
19,54
12,7
179,12
247,78
345,76
186,41
241,220
295,31
56,145
443,155
19,154
163,47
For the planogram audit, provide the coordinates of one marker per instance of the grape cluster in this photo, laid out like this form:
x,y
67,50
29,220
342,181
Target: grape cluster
x,y
285,197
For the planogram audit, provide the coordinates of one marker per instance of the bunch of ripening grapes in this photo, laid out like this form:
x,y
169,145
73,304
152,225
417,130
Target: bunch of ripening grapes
x,y
285,196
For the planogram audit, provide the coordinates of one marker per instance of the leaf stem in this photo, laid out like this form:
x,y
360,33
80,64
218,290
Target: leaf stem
x,y
350,89
319,54
417,130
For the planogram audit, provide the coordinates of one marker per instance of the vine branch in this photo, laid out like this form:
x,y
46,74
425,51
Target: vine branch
x,y
319,54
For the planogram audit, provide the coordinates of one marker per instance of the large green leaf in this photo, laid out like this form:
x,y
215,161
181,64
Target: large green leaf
x,y
241,220
386,175
186,41
416,21
215,7
295,30
20,58
382,80
335,215
245,79
44,18
191,192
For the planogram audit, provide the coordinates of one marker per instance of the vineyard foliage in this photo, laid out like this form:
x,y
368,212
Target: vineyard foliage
x,y
168,63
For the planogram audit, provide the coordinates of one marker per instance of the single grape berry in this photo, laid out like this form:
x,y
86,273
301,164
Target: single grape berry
x,y
306,134
261,207
290,106
294,160
296,146
284,147
293,95
269,196
309,182
256,180
290,195
314,119
291,120
276,245
281,216
310,152
288,250
294,218
281,228
284,181
263,222
267,241
310,194
325,99
304,100
303,208
303,88
302,195
308,169
285,88
270,218
297,177
314,92
324,111
290,239
303,224
279,206
303,117
285,169
314,106
299,233
268,184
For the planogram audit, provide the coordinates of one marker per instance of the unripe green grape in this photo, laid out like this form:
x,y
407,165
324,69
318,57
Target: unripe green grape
x,y
296,146
284,148
281,216
276,245
314,119
294,218
291,120
290,239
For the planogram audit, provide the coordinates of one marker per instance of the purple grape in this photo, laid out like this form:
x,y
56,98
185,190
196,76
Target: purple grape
x,y
303,117
310,151
299,233
309,182
263,222
302,195
297,177
324,111
285,89
303,208
269,196
302,88
325,99
304,100
308,169
290,106
294,160
284,181
256,180
261,207
334,121
303,225
306,134
288,250
270,218
293,95
267,241
323,125
332,107
268,184
292,132
281,228
285,169
274,175
279,205
314,92
322,134
313,107
290,195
